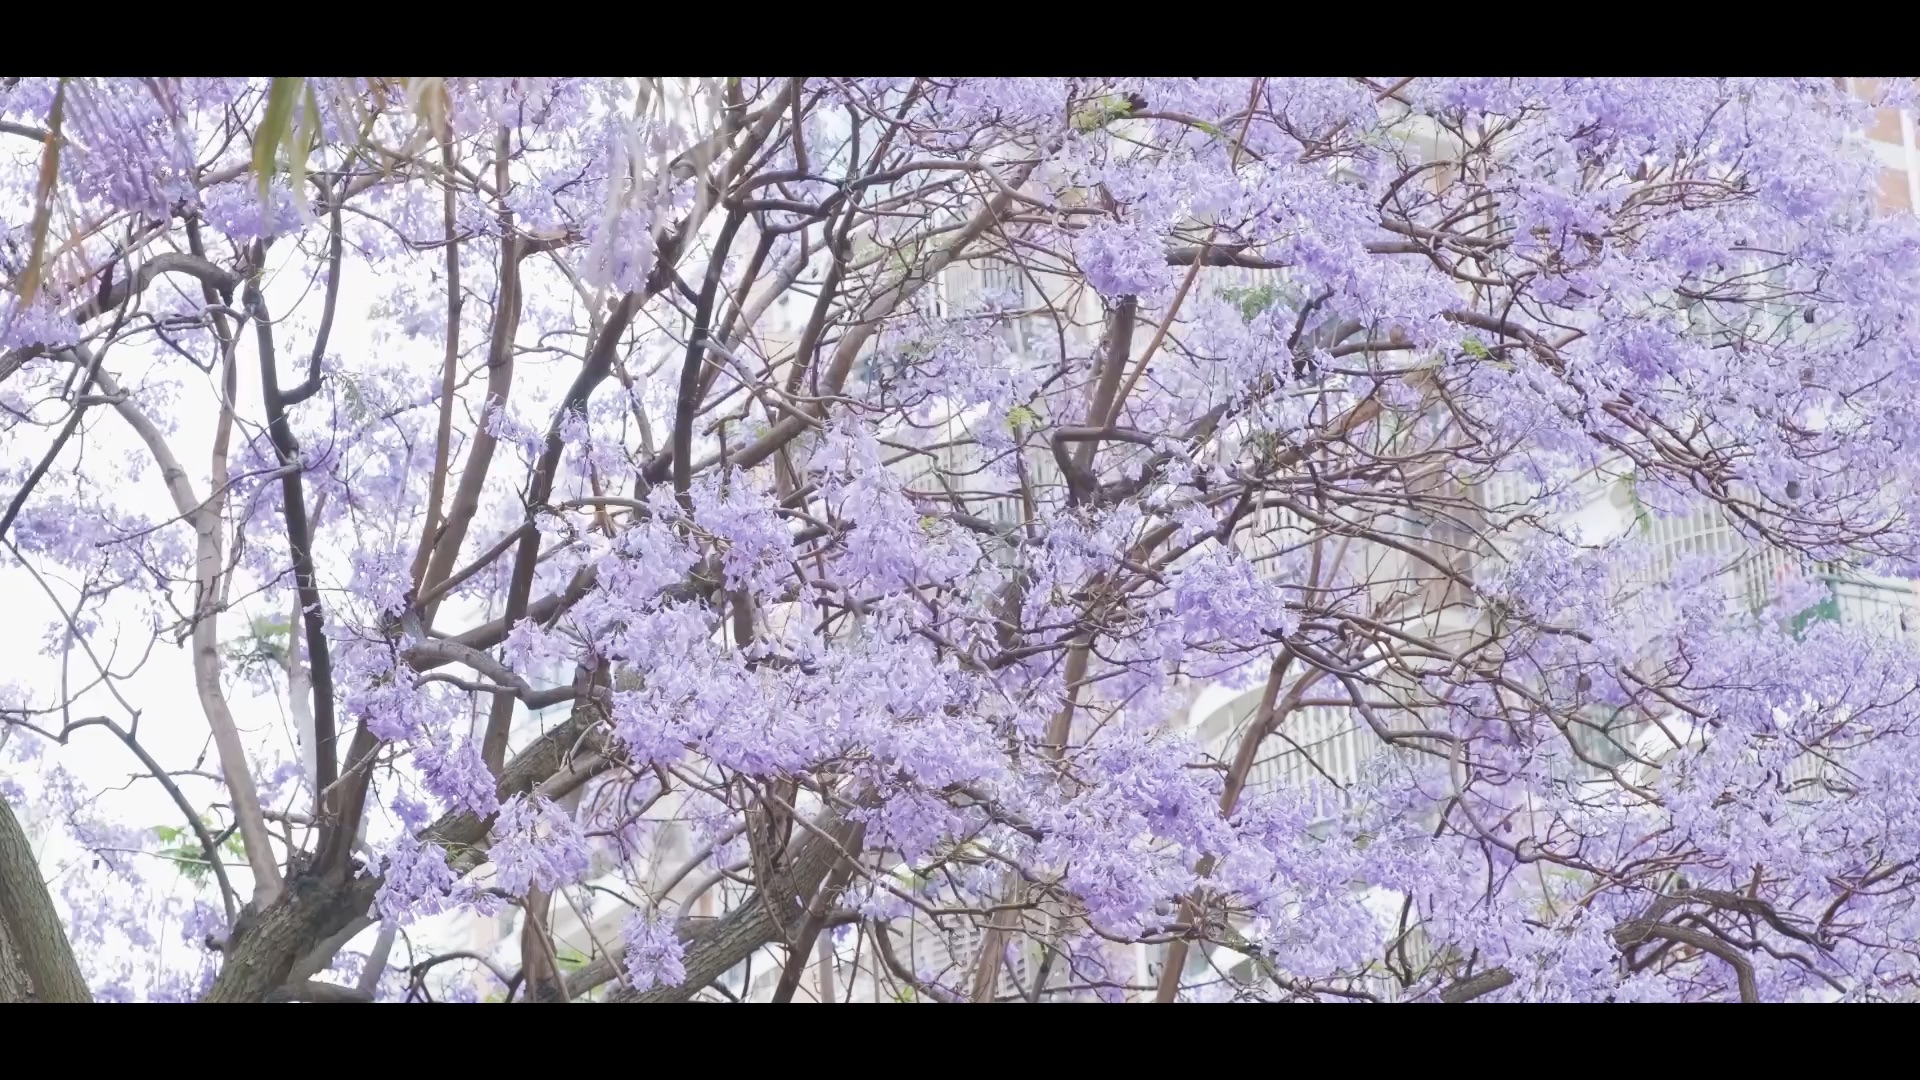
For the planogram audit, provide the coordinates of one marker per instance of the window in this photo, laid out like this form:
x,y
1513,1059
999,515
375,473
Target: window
x,y
1003,286
1003,283
931,301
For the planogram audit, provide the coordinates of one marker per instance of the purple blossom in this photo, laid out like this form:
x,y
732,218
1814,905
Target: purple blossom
x,y
1481,562
415,881
537,845
452,769
655,954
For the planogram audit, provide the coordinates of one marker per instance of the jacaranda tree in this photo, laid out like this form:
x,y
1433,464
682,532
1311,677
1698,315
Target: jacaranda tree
x,y
863,476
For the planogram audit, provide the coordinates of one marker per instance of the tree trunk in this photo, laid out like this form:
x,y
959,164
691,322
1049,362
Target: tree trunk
x,y
773,913
14,987
267,949
36,961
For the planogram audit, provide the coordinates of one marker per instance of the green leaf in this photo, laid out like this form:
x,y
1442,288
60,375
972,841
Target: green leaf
x,y
43,197
267,640
1251,299
1640,515
1827,610
189,860
275,130
355,399
300,141
1100,114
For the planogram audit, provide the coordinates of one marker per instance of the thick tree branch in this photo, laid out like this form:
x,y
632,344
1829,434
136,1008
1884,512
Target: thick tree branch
x,y
473,476
223,281
598,365
320,912
323,992
687,400
311,385
773,913
1477,986
208,568
30,932
300,546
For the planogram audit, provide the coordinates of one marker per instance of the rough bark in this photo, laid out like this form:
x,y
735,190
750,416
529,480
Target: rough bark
x,y
14,986
36,960
266,950
262,953
774,913
1484,983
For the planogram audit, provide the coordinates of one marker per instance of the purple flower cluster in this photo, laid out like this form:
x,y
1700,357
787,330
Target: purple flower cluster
x,y
536,844
655,954
1473,567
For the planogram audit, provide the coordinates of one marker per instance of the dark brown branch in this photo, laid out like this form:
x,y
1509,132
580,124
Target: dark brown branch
x,y
1219,256
539,962
1100,405
300,544
543,610
882,936
312,383
598,365
773,913
800,951
485,560
687,401
1477,986
170,263
1638,930
323,908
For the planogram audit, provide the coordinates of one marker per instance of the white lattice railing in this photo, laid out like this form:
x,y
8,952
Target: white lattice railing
x,y
1321,750
1271,534
946,958
953,466
1754,573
